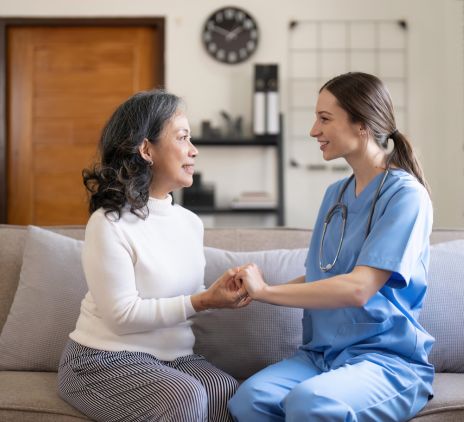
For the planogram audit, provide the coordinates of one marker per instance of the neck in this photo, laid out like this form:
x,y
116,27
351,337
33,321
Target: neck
x,y
159,193
367,165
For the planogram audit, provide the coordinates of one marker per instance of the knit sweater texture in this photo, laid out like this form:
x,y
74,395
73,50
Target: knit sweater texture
x,y
140,274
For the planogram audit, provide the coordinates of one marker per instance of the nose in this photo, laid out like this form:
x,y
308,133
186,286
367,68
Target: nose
x,y
193,151
315,130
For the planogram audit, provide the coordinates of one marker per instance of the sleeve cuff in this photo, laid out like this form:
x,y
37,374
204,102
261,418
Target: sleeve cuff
x,y
189,310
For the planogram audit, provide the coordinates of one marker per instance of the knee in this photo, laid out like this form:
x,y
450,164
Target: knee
x,y
224,389
305,404
251,401
190,403
240,404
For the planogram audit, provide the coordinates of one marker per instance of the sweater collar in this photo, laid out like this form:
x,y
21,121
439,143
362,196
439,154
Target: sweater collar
x,y
160,206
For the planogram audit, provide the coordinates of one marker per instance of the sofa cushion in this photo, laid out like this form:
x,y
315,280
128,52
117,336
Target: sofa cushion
x,y
46,304
443,307
243,341
33,397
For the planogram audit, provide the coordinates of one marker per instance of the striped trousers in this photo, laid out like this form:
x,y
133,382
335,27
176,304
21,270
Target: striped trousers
x,y
135,386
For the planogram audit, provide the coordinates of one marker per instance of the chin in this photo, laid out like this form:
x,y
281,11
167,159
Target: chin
x,y
187,182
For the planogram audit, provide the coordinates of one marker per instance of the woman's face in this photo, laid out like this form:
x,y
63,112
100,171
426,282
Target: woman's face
x,y
173,157
336,134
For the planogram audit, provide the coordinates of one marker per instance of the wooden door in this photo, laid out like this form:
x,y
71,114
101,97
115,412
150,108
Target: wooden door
x,y
63,84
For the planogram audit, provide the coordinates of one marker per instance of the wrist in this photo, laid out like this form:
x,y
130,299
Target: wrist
x,y
263,294
200,301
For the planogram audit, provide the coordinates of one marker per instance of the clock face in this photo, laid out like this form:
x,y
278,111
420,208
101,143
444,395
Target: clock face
x,y
230,35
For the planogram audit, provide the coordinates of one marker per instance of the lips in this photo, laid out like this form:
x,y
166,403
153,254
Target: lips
x,y
189,168
323,145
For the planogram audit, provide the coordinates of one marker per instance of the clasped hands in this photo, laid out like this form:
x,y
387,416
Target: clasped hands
x,y
236,288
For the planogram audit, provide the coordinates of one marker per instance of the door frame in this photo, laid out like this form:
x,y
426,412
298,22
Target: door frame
x,y
156,22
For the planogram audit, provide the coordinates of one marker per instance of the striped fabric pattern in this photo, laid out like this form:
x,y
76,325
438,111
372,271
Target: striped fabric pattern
x,y
135,386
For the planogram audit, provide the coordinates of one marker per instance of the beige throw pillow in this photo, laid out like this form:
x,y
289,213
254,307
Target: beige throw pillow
x,y
46,305
243,341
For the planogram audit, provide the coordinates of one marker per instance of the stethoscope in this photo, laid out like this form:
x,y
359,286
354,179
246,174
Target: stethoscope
x,y
340,206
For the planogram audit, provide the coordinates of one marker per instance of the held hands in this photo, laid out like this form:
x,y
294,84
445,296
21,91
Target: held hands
x,y
225,292
251,277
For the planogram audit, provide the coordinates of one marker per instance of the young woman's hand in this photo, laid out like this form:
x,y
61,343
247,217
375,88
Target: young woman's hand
x,y
225,292
252,279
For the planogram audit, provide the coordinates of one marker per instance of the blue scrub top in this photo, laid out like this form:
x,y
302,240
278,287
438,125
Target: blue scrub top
x,y
398,242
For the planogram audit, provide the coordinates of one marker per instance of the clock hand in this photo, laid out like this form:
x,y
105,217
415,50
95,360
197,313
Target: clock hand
x,y
220,30
233,34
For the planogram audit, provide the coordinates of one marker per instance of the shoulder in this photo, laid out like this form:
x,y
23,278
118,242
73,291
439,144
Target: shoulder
x,y
405,198
401,185
188,215
104,222
100,222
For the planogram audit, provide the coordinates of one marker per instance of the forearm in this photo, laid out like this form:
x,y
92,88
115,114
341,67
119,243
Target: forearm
x,y
336,292
298,280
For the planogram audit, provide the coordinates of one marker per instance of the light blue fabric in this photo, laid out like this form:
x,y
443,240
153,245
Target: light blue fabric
x,y
398,242
366,363
368,388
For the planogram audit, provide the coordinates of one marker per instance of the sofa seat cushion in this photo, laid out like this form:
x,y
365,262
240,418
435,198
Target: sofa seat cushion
x,y
447,404
42,403
32,396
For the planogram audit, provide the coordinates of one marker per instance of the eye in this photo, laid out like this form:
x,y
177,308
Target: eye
x,y
324,119
184,138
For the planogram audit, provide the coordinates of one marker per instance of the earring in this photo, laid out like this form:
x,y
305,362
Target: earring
x,y
150,162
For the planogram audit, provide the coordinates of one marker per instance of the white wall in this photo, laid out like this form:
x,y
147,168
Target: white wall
x,y
436,97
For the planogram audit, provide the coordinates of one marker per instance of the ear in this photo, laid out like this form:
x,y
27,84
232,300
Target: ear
x,y
362,130
146,151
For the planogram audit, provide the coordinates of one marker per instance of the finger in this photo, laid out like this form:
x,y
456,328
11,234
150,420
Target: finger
x,y
244,302
242,291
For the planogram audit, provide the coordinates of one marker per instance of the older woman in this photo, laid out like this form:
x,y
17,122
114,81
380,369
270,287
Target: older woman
x,y
130,357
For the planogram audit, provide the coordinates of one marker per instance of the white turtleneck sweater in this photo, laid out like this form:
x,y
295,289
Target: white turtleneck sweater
x,y
140,275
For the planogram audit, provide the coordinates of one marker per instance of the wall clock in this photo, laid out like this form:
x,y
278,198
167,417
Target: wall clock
x,y
230,35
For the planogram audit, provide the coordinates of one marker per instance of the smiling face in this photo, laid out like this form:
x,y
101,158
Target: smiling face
x,y
173,157
337,135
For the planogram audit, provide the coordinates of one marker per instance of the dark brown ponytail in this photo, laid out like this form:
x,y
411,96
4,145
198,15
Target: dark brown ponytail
x,y
403,157
366,100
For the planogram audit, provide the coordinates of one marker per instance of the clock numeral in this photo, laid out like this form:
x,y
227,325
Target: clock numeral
x,y
232,57
221,54
239,16
243,53
229,13
210,25
254,34
248,24
207,36
250,45
212,47
219,17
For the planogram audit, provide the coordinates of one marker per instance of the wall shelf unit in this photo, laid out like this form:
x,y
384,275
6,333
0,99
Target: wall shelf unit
x,y
261,141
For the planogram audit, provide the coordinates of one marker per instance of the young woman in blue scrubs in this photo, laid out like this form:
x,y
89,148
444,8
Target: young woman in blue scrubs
x,y
364,355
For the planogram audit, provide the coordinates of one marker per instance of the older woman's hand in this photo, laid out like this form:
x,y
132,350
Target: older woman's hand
x,y
225,292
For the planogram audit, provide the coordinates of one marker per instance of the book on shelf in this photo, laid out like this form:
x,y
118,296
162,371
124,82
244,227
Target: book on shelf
x,y
253,200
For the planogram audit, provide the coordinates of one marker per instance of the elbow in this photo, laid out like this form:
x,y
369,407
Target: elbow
x,y
358,297
122,320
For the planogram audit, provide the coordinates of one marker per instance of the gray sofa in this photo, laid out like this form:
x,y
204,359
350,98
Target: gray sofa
x,y
36,316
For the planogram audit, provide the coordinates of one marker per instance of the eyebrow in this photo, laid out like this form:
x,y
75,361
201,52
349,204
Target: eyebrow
x,y
184,130
323,111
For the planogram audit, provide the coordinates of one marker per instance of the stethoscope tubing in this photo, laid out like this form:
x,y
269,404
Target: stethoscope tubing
x,y
344,210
